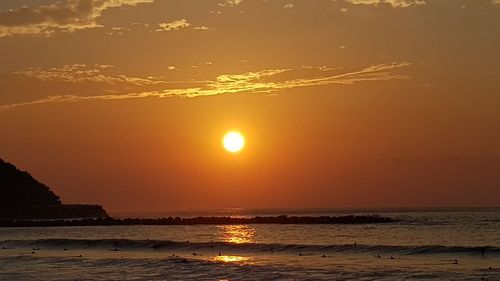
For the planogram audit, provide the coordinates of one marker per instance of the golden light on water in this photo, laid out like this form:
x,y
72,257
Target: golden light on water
x,y
233,141
231,258
237,234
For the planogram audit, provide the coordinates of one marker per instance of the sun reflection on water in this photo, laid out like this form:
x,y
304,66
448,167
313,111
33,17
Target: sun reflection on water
x,y
237,233
231,258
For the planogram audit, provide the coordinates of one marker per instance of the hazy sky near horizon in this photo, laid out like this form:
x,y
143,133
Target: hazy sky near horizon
x,y
346,103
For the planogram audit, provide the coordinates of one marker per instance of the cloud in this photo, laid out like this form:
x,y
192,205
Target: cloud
x,y
202,27
62,16
393,3
263,81
272,80
175,25
288,6
230,3
117,30
81,73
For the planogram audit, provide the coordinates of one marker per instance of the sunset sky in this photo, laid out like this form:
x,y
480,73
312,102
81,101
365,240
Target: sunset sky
x,y
343,103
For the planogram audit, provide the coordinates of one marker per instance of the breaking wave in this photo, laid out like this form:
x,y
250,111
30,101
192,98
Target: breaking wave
x,y
165,245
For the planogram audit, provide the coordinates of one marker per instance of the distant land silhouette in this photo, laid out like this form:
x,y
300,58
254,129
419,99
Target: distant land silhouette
x,y
349,219
25,202
22,197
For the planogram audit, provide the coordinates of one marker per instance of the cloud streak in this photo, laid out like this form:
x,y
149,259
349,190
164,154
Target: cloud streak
x,y
79,73
175,25
62,16
230,3
264,81
393,3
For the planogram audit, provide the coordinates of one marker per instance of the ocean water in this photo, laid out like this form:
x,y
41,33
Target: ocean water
x,y
426,244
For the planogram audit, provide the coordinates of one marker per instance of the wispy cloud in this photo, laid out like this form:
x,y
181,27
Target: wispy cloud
x,y
393,3
264,81
79,73
174,25
62,16
230,3
202,27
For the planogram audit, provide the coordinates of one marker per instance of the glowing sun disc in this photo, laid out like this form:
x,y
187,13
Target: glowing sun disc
x,y
233,142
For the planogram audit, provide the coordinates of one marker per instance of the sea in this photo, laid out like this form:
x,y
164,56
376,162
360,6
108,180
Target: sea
x,y
424,244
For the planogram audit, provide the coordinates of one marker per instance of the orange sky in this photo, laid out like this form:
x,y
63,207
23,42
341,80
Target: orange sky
x,y
348,103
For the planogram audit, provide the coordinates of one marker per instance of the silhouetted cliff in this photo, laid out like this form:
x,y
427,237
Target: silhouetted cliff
x,y
23,197
19,189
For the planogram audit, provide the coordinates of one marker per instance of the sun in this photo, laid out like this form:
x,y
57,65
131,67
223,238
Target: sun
x,y
233,141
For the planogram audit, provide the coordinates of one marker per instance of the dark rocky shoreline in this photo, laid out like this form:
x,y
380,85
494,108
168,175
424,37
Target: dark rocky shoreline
x,y
22,197
52,212
109,221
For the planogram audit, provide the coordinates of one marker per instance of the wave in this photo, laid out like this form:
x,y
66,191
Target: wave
x,y
165,245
